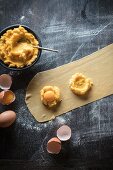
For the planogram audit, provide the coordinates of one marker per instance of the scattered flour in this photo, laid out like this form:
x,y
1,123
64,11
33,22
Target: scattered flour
x,y
61,120
22,18
30,12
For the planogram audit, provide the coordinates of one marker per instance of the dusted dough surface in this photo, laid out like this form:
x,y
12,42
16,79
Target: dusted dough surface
x,y
80,84
16,47
50,95
98,66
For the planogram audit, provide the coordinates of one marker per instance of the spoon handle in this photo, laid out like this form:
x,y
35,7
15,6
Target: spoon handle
x,y
47,49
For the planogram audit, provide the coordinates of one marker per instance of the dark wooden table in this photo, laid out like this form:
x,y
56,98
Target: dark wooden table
x,y
76,28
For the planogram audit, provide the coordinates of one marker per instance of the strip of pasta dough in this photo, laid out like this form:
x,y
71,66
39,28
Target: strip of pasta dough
x,y
98,66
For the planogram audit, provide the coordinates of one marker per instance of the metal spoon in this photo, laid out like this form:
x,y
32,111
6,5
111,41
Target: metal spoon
x,y
47,49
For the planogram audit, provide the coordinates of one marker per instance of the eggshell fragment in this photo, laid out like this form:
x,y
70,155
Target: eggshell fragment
x,y
1,96
7,97
5,81
54,145
64,133
7,118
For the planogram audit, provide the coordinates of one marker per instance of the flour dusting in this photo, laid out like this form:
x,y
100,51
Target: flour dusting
x,y
61,120
22,18
30,12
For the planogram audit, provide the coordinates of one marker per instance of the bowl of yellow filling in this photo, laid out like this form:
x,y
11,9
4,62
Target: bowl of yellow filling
x,y
18,47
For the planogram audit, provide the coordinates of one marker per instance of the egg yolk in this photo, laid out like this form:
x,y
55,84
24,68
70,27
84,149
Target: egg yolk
x,y
49,96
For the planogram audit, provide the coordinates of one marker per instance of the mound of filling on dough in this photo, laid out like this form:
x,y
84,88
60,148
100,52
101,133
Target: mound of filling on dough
x,y
50,96
80,84
16,47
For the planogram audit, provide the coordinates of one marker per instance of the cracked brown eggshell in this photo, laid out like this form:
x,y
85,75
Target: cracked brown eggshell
x,y
7,97
54,145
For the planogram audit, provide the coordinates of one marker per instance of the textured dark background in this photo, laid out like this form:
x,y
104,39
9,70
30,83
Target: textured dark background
x,y
76,28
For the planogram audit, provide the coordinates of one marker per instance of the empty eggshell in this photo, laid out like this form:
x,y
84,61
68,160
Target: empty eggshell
x,y
64,133
5,81
7,118
7,97
54,145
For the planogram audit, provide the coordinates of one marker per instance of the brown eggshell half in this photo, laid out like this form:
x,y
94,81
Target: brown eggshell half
x,y
7,97
7,118
5,81
54,145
